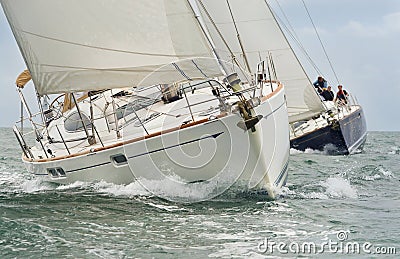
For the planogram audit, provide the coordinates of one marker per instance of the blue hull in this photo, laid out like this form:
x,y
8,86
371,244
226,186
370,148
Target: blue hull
x,y
341,138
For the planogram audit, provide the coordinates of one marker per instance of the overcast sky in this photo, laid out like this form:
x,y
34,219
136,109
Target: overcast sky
x,y
362,38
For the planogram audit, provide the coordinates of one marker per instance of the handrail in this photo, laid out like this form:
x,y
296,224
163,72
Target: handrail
x,y
22,142
210,84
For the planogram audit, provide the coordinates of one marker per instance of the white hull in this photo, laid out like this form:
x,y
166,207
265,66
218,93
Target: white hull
x,y
212,150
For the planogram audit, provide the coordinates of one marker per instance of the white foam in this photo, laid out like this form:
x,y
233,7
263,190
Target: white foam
x,y
315,195
35,185
339,188
176,189
394,150
77,184
307,151
285,191
372,178
170,208
172,188
130,190
312,151
328,149
387,173
295,151
382,173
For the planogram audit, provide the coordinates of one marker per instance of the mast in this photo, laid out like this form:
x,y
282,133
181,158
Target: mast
x,y
220,34
197,17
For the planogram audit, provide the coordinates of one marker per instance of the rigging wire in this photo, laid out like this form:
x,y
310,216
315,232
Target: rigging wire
x,y
301,47
280,24
238,37
319,38
234,59
292,33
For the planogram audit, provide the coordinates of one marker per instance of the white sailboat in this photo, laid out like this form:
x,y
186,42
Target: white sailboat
x,y
158,104
314,123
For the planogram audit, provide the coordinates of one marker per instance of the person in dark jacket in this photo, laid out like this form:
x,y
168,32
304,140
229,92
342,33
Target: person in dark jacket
x,y
341,95
328,94
320,84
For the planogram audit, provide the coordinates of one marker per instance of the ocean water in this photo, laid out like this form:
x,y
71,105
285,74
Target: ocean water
x,y
332,206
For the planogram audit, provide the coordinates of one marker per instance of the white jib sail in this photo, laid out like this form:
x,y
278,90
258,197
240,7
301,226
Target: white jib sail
x,y
260,34
86,45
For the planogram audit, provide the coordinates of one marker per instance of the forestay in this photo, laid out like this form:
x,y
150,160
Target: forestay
x,y
260,34
86,45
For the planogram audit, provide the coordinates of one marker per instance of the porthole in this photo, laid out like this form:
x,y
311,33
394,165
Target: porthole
x,y
52,172
60,171
119,159
56,172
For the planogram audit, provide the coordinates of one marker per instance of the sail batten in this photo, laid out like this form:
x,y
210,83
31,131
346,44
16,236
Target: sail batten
x,y
109,49
100,44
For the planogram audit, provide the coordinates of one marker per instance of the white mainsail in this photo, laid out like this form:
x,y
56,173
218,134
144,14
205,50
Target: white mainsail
x,y
86,45
260,34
